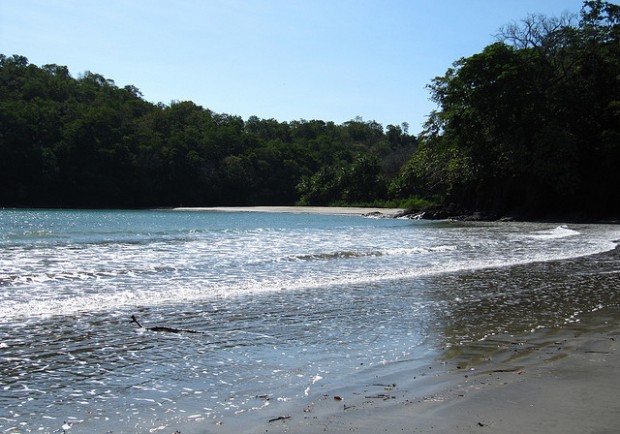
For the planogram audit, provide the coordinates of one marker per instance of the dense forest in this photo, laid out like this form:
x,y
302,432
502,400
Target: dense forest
x,y
530,126
84,142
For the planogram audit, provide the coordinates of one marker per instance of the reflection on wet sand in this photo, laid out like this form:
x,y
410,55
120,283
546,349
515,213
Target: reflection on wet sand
x,y
524,298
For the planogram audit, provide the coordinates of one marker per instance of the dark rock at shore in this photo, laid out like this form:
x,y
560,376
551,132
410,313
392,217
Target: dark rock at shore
x,y
468,216
458,214
376,214
439,213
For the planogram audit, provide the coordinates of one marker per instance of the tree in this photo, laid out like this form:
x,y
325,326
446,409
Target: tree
x,y
531,123
85,142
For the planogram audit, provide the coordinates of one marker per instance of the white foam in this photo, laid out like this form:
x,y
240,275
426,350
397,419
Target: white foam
x,y
62,280
555,233
195,290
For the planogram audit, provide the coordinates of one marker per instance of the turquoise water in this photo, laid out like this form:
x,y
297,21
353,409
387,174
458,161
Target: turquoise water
x,y
286,306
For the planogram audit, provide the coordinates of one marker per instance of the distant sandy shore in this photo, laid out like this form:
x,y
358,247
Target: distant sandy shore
x,y
564,380
337,210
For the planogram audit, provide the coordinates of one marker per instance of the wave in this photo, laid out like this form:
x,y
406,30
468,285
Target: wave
x,y
347,254
151,270
176,292
78,276
71,276
562,231
85,278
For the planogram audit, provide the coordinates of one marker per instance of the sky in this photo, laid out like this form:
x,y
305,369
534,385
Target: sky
x,y
333,60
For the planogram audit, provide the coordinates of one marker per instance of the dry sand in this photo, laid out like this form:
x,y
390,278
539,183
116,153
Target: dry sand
x,y
563,380
336,210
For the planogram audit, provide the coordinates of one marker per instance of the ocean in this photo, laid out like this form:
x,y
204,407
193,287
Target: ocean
x,y
261,309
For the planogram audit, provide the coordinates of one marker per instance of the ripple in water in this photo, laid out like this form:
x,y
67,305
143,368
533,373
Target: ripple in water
x,y
286,306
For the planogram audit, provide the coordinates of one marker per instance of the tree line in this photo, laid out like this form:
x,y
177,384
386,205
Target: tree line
x,y
529,126
85,142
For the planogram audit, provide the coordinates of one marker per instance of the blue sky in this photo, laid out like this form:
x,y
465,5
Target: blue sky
x,y
285,59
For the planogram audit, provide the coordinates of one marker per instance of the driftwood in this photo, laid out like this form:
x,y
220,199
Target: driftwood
x,y
162,329
279,418
382,396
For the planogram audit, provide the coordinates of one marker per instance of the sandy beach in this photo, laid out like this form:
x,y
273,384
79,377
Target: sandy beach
x,y
564,380
289,323
334,210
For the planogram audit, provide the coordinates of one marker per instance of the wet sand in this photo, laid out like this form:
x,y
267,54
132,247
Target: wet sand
x,y
334,210
561,380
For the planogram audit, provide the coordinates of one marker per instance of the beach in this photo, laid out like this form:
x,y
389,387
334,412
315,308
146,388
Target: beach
x,y
334,210
563,380
289,322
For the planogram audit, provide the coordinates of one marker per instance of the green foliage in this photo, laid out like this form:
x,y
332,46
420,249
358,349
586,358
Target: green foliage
x,y
529,125
413,203
67,142
357,181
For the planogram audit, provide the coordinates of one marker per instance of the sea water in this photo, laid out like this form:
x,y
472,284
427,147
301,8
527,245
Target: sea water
x,y
284,306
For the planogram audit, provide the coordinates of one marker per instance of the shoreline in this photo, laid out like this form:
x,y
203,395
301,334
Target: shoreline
x,y
562,379
325,210
431,214
554,380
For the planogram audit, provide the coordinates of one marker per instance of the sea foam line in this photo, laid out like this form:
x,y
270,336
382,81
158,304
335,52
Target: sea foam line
x,y
191,290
